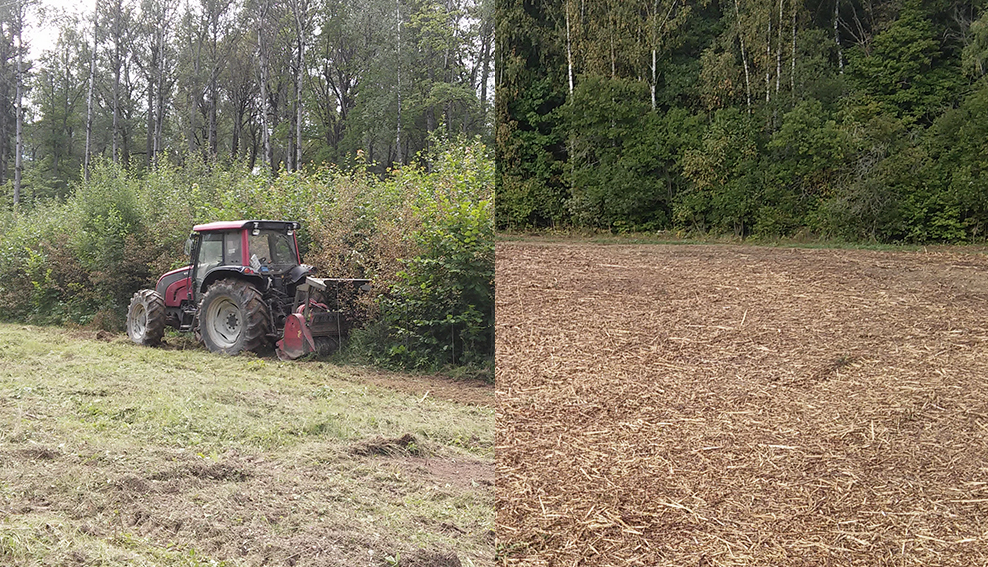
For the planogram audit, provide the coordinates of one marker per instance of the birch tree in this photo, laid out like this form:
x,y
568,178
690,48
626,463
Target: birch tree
x,y
118,24
663,18
20,17
157,62
302,20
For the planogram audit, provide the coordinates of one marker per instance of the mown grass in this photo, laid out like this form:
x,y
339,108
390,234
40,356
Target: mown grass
x,y
679,238
111,453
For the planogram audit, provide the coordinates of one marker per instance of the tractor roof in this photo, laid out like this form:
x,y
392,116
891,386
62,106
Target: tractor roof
x,y
237,225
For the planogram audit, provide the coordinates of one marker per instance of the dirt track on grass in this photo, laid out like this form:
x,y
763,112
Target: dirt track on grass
x,y
727,405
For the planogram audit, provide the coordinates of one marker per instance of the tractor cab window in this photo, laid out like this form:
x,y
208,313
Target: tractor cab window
x,y
210,255
273,250
217,249
211,250
231,249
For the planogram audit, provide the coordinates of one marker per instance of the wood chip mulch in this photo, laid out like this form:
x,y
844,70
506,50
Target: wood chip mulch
x,y
734,405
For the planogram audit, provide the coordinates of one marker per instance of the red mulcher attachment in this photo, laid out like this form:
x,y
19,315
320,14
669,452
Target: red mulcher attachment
x,y
318,323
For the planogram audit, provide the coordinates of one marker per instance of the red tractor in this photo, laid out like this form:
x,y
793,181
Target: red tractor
x,y
246,289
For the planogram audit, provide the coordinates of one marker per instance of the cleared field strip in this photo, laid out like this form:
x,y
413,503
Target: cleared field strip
x,y
117,455
727,405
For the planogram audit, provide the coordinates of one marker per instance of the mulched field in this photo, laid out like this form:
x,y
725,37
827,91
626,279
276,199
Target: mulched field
x,y
734,405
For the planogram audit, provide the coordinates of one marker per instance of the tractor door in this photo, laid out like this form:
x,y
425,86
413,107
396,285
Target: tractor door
x,y
214,249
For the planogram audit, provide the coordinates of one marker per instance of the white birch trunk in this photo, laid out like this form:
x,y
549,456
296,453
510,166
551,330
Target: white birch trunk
x,y
116,80
768,57
569,53
744,55
263,69
89,99
300,23
654,79
778,53
159,92
398,60
840,49
19,120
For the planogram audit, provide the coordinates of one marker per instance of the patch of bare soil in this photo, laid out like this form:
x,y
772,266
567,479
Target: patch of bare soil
x,y
725,405
467,391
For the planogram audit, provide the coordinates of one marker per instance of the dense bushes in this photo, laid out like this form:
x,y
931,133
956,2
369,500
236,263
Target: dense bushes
x,y
708,122
424,234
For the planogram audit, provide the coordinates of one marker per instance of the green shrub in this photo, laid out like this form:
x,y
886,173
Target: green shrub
x,y
423,234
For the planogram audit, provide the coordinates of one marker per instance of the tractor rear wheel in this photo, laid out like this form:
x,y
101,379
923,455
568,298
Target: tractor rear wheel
x,y
233,318
146,317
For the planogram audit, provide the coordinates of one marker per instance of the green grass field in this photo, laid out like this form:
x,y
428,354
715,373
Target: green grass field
x,y
114,454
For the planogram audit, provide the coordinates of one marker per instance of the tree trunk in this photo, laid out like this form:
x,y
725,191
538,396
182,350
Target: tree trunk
x,y
840,49
89,99
768,57
792,71
266,157
160,108
569,54
744,56
213,95
486,69
19,96
117,64
399,157
658,31
214,68
301,10
152,115
778,54
654,78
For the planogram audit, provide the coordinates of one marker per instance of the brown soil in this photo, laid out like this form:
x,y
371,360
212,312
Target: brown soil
x,y
726,405
473,392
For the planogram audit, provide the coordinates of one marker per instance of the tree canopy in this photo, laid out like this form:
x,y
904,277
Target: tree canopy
x,y
841,119
273,85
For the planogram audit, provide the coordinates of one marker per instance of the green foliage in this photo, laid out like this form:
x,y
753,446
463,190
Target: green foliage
x,y
622,157
959,161
531,181
440,310
724,177
864,123
423,234
975,55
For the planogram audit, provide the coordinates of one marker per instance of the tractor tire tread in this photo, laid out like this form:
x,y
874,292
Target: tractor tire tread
x,y
154,306
255,312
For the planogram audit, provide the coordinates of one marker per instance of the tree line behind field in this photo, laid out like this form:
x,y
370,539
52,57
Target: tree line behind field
x,y
841,119
272,85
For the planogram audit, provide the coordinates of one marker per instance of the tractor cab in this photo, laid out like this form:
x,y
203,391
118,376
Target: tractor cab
x,y
253,249
245,289
262,253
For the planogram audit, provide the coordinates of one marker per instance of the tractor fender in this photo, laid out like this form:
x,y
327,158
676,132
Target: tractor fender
x,y
232,272
299,272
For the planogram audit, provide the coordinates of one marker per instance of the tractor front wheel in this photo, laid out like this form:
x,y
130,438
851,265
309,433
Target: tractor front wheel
x,y
233,318
146,318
